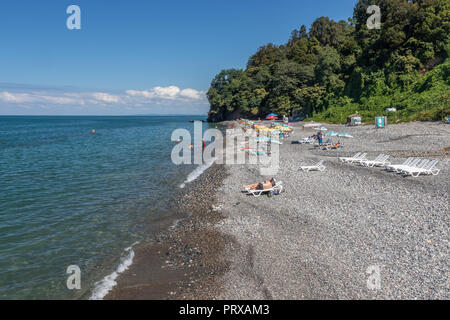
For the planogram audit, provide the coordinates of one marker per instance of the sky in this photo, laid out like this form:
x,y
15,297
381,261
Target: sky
x,y
136,56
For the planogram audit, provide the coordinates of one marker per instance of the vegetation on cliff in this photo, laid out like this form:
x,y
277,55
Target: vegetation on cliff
x,y
337,68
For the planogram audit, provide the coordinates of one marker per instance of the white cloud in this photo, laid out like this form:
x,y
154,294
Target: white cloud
x,y
192,94
157,98
35,97
15,97
59,100
106,97
168,93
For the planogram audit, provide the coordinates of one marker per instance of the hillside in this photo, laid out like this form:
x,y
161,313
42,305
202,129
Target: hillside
x,y
336,68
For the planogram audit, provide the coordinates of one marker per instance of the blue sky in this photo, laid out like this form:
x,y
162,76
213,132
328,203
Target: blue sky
x,y
136,56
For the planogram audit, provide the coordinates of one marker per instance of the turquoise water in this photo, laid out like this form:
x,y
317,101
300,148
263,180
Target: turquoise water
x,y
70,197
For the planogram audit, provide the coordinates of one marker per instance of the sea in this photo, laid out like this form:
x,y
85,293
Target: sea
x,y
78,195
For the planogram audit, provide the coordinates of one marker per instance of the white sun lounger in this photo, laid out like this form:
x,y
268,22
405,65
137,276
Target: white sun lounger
x,y
361,161
427,169
420,165
344,159
399,168
352,160
258,193
393,167
379,163
308,140
318,167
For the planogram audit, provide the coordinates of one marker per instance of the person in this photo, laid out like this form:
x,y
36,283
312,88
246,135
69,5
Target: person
x,y
262,185
319,138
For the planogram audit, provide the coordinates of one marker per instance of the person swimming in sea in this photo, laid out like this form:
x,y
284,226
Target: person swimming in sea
x,y
203,145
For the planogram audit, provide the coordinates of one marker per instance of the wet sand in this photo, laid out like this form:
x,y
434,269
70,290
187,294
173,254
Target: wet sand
x,y
186,261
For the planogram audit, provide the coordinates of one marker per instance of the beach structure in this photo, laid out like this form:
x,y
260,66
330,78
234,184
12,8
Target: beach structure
x,y
380,122
354,120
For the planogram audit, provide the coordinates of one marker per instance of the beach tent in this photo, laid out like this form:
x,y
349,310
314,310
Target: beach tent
x,y
321,128
272,116
331,133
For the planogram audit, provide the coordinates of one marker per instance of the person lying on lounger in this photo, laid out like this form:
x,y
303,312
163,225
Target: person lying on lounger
x,y
332,146
269,184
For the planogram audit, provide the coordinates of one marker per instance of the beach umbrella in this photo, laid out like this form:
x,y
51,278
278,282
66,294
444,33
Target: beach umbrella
x,y
321,128
331,133
272,116
345,135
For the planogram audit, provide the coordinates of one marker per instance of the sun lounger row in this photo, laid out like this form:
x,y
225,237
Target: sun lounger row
x,y
415,167
361,159
411,166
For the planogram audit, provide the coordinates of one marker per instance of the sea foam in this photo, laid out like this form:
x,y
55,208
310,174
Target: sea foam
x,y
197,172
105,285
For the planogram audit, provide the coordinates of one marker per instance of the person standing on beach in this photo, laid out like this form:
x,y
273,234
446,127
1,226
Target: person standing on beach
x,y
319,138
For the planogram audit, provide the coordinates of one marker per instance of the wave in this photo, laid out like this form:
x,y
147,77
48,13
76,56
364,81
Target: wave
x,y
105,285
197,172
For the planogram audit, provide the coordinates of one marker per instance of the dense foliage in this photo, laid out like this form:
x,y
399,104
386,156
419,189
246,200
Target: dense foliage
x,y
338,68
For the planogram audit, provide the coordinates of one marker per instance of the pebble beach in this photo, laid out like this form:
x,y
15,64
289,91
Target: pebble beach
x,y
319,239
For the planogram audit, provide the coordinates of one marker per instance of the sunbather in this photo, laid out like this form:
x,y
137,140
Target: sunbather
x,y
332,146
262,185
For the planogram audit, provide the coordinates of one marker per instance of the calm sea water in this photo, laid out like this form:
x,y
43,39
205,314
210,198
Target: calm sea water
x,y
70,197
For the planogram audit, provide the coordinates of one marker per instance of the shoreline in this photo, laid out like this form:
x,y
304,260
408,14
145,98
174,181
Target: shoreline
x,y
185,260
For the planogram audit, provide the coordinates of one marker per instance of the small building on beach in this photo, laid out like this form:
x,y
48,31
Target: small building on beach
x,y
354,120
